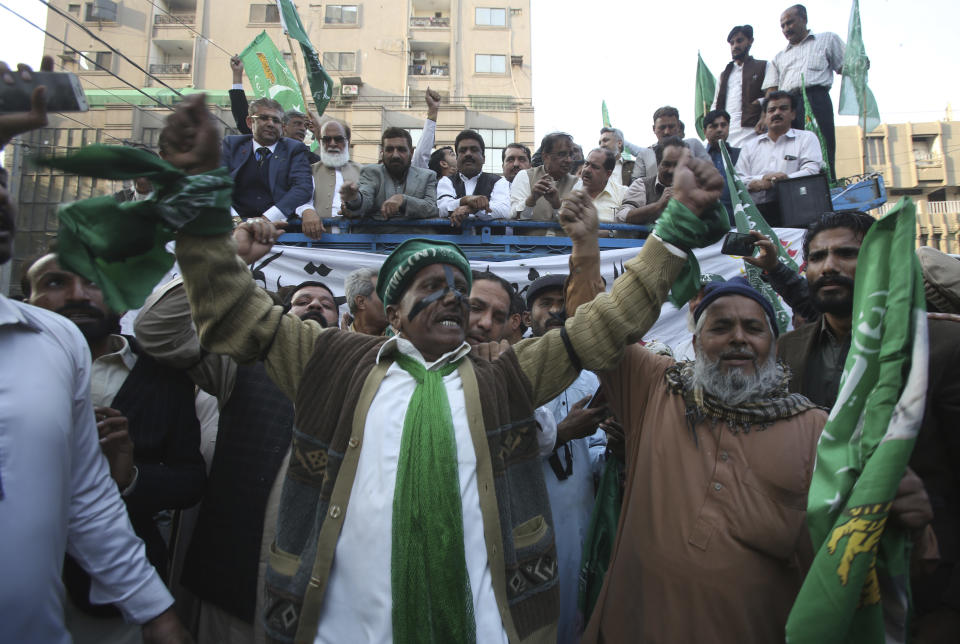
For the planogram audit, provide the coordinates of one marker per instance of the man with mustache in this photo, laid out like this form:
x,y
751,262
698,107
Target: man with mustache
x,y
148,428
810,58
817,352
596,178
392,189
56,490
515,158
781,152
415,466
329,175
535,193
271,173
739,90
470,191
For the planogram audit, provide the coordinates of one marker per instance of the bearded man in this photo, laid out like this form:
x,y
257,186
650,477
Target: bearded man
x,y
334,169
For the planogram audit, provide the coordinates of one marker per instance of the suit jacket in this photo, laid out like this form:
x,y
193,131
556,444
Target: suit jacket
x,y
794,348
290,180
376,186
753,73
325,181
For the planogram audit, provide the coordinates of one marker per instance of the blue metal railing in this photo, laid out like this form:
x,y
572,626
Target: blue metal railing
x,y
492,240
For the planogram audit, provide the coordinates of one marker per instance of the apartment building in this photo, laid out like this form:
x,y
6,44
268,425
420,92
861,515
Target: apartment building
x,y
919,160
382,56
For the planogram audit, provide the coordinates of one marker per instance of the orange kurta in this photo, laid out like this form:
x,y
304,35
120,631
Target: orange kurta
x,y
712,541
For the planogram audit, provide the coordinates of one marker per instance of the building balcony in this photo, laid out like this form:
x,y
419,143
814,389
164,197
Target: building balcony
x,y
430,22
174,19
170,69
943,207
428,70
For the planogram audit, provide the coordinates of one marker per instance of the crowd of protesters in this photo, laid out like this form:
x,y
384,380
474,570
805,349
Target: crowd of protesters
x,y
423,463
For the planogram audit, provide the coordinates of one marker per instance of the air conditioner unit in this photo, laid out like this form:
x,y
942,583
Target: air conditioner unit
x,y
69,56
185,68
349,90
419,55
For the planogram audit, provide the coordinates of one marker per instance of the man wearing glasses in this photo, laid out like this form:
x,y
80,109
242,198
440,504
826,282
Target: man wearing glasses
x,y
333,170
271,173
537,195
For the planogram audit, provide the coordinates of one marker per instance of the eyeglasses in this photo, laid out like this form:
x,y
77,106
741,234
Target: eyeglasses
x,y
332,139
268,119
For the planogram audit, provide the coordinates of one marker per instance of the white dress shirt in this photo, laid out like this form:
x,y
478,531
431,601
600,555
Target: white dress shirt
x,y
358,603
817,57
448,201
796,153
56,494
608,201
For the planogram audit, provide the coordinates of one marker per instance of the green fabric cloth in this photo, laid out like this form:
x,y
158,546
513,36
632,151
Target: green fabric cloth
x,y
680,227
409,257
120,246
432,601
704,89
601,535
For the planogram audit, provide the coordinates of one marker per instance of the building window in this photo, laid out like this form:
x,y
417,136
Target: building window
x,y
101,11
876,152
340,14
340,61
494,141
490,64
487,17
926,150
264,13
96,61
492,103
74,9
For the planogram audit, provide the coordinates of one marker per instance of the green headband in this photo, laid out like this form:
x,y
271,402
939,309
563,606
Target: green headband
x,y
409,257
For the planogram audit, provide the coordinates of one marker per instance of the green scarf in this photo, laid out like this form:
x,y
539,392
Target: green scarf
x,y
432,601
680,227
120,246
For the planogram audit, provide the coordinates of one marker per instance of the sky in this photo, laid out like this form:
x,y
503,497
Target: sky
x,y
639,56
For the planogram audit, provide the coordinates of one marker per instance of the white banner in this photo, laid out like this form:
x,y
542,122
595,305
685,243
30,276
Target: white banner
x,y
290,265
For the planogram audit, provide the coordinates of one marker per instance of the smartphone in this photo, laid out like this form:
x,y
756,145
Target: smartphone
x,y
64,92
740,244
599,399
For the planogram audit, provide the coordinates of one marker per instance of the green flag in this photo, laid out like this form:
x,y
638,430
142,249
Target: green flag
x,y
605,114
748,218
269,75
810,124
321,85
857,589
855,97
706,86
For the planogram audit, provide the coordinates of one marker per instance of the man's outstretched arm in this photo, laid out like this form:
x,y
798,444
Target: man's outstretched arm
x,y
233,316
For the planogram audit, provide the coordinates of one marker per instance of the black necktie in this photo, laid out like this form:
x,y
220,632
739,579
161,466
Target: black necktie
x,y
262,155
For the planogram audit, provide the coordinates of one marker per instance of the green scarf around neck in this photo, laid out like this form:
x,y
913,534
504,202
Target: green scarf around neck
x,y
120,246
432,601
680,227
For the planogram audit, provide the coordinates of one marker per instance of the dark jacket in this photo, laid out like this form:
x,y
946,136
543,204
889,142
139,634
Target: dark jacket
x,y
291,183
753,73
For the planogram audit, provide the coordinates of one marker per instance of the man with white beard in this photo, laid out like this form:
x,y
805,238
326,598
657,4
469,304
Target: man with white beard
x,y
333,170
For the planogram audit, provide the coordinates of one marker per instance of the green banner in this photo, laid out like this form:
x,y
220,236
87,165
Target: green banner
x,y
810,124
605,114
321,85
706,86
858,589
855,96
748,218
269,75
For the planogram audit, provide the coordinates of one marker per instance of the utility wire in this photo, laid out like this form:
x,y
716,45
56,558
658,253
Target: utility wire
x,y
183,24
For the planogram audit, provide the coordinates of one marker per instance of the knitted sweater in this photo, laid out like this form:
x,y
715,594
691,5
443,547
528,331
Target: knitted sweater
x,y
235,318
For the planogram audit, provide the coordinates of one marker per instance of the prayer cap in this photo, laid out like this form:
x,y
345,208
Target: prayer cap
x,y
543,283
736,286
409,257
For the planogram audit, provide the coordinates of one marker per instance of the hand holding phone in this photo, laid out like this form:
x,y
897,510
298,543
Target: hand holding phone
x,y
62,91
35,114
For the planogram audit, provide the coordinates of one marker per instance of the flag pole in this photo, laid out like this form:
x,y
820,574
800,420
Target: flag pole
x,y
863,128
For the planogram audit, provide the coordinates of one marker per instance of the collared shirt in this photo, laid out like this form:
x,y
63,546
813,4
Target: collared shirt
x,y
716,156
796,153
358,603
734,106
272,213
608,201
448,201
817,57
110,370
825,366
334,202
57,494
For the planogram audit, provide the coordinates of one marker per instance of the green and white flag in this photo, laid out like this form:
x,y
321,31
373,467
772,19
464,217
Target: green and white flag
x,y
810,125
269,75
748,218
703,98
855,96
605,115
321,85
858,589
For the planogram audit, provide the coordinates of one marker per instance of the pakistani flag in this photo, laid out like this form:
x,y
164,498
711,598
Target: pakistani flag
x,y
857,589
321,85
604,114
269,75
810,125
706,87
748,218
855,97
